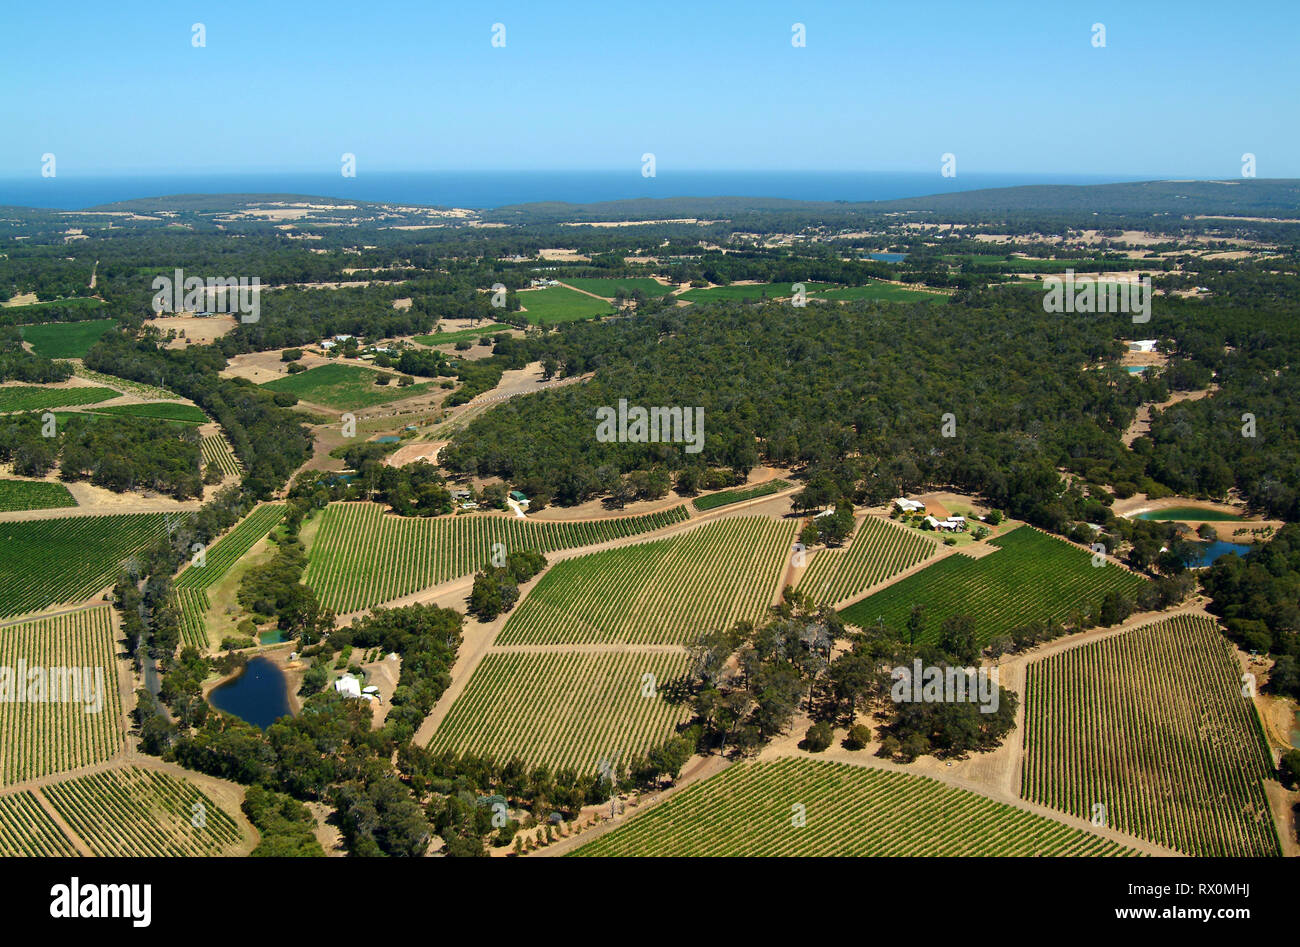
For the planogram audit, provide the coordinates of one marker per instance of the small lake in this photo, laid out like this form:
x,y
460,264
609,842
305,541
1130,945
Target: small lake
x,y
1208,552
888,257
259,695
1200,514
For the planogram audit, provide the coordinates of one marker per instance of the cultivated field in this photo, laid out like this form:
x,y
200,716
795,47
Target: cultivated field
x,y
884,292
33,495
38,397
750,291
609,288
878,550
361,557
217,450
461,335
191,586
55,561
564,709
143,813
663,592
1153,725
159,410
65,339
39,738
752,809
560,304
1031,577
345,387
27,830
727,497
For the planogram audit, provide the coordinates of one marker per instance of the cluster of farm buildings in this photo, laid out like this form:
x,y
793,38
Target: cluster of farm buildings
x,y
951,524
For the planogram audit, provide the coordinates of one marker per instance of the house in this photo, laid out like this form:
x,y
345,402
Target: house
x,y
518,497
348,686
909,506
327,345
460,494
931,522
1143,345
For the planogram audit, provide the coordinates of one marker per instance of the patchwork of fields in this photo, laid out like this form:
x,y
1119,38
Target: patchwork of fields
x,y
362,557
753,809
39,738
878,550
1153,725
663,592
1032,577
568,710
57,561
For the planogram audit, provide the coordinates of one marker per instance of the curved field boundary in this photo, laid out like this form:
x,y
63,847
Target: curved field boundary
x,y
751,809
44,737
232,546
143,813
879,550
1152,724
362,557
27,830
664,591
1032,577
56,561
564,709
190,588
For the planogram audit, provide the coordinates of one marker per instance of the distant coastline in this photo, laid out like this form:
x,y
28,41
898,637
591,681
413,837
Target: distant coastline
x,y
488,189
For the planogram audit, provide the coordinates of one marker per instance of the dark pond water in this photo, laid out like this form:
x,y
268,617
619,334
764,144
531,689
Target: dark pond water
x,y
888,257
1208,552
259,695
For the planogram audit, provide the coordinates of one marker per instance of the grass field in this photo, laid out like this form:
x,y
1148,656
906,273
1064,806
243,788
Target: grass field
x,y
134,812
140,389
27,830
752,291
739,495
560,304
39,738
877,550
38,397
56,561
461,335
160,410
65,339
609,287
191,585
217,450
1031,577
754,809
565,710
33,495
361,557
1153,725
666,591
345,387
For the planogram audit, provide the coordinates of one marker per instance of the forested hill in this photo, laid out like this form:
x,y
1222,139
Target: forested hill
x,y
1254,197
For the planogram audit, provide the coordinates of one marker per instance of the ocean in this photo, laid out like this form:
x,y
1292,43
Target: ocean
x,y
485,189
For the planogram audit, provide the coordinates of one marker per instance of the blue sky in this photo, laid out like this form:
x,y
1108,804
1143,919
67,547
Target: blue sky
x,y
1182,89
